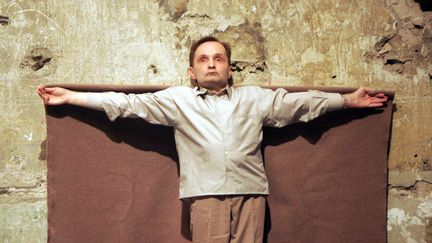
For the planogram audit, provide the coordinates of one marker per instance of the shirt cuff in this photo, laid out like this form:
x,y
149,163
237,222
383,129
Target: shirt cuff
x,y
335,101
94,100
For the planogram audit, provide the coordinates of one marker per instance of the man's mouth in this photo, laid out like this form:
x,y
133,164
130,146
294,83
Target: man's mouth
x,y
211,74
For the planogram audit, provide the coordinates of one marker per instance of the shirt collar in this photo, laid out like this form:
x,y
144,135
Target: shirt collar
x,y
200,91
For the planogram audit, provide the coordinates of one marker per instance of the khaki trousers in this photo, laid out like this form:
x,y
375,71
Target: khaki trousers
x,y
227,219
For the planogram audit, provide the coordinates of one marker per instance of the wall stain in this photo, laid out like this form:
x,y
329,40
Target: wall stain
x,y
4,20
3,191
42,153
153,68
37,58
174,8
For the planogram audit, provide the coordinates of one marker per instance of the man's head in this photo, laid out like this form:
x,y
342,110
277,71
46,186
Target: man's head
x,y
209,61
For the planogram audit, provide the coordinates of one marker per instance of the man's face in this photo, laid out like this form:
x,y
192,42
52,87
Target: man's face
x,y
210,68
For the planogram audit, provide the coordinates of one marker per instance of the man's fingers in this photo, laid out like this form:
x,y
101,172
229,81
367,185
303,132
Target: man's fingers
x,y
376,104
381,96
379,101
45,98
40,89
373,92
42,92
50,90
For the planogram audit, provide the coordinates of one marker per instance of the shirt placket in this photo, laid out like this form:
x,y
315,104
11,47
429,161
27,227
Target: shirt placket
x,y
224,109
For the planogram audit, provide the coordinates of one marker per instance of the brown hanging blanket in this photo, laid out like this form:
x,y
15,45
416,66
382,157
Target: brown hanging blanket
x,y
118,181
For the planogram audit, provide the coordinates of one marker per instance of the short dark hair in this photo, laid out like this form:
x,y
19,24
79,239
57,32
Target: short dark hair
x,y
197,43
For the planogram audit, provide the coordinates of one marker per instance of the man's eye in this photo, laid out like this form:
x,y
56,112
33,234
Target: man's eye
x,y
203,59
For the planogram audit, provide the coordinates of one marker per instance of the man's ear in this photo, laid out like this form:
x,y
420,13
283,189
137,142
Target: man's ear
x,y
191,73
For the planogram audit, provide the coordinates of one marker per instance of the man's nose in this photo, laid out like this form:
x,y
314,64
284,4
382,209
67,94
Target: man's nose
x,y
210,63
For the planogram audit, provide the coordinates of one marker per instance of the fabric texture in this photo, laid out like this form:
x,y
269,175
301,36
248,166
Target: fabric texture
x,y
218,138
118,181
228,219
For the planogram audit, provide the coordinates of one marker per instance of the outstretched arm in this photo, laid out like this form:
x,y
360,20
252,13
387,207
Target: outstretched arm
x,y
364,98
157,108
61,96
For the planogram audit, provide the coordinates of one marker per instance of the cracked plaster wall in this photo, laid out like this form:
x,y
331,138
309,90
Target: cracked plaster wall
x,y
384,44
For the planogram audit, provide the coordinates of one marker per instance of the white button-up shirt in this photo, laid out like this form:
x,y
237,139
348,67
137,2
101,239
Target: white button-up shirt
x,y
218,137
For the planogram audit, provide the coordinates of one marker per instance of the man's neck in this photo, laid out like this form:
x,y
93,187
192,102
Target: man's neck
x,y
216,92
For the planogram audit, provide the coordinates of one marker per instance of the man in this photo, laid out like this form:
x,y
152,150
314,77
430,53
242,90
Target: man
x,y
218,133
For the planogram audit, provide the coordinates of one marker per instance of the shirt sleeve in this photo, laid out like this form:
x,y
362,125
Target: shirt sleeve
x,y
156,108
284,108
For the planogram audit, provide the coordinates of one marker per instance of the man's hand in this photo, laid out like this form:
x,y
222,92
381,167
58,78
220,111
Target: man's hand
x,y
61,96
363,98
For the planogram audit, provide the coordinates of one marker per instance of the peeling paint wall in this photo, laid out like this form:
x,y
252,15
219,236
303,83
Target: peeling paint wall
x,y
384,44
